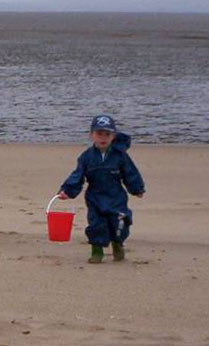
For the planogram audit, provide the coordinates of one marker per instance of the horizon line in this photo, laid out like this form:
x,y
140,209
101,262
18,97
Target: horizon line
x,y
106,11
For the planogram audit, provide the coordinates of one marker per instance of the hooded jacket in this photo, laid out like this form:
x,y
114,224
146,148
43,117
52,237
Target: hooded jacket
x,y
107,177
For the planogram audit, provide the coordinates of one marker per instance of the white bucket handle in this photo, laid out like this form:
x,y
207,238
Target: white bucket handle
x,y
52,201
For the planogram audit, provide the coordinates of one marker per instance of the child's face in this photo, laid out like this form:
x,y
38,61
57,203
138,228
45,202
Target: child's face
x,y
102,139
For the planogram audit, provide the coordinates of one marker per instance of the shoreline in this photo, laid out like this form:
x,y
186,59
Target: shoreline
x,y
71,144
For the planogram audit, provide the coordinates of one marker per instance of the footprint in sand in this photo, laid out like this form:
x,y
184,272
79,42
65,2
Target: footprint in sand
x,y
36,222
26,332
150,339
51,260
96,329
8,233
16,259
21,242
137,262
126,337
48,260
27,212
22,198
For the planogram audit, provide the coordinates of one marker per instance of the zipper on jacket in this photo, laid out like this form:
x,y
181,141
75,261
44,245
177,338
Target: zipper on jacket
x,y
106,153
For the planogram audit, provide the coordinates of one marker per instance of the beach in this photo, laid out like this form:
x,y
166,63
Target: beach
x,y
158,296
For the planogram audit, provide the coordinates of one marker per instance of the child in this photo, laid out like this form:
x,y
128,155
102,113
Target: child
x,y
105,166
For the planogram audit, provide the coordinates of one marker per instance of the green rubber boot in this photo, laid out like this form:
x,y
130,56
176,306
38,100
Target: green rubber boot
x,y
97,254
118,251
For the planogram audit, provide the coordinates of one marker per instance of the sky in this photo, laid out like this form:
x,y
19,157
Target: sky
x,y
106,5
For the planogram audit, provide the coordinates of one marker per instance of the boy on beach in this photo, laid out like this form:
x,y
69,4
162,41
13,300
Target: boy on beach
x,y
105,166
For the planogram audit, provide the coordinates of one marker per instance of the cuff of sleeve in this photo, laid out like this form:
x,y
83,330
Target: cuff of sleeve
x,y
139,192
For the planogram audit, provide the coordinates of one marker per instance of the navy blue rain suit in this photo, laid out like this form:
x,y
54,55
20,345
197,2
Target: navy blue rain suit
x,y
106,197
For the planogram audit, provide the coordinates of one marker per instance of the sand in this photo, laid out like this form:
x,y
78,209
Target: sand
x,y
159,296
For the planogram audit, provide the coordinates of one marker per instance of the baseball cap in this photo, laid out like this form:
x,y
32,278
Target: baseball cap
x,y
103,122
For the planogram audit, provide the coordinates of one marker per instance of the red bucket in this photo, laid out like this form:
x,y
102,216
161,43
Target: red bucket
x,y
59,224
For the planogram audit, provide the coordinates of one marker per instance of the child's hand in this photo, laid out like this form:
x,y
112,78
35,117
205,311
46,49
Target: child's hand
x,y
62,195
140,195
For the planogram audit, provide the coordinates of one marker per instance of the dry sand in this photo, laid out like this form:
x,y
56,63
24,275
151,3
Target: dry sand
x,y
159,296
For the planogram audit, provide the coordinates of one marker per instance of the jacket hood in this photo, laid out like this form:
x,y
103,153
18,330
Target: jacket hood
x,y
122,141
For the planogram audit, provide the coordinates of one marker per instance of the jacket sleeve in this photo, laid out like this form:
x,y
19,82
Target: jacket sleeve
x,y
74,183
131,176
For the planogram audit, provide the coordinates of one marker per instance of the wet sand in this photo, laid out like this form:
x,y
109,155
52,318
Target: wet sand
x,y
159,295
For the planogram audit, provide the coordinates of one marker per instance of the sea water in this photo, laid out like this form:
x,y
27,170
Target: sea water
x,y
149,71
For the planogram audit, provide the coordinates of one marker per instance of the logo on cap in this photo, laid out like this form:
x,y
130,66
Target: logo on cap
x,y
103,121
